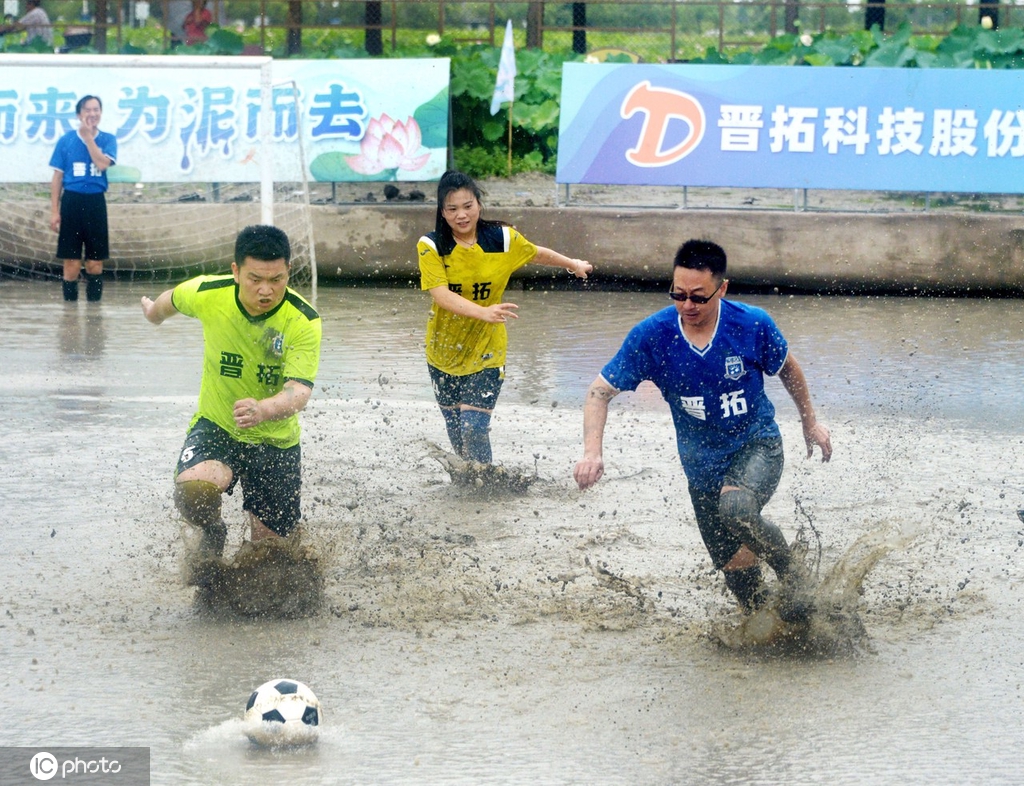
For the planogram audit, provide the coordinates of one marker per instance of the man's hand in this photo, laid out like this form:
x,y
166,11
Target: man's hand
x,y
150,311
595,413
588,471
819,435
156,311
247,413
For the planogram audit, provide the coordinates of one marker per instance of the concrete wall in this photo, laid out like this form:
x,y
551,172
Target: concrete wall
x,y
827,252
805,250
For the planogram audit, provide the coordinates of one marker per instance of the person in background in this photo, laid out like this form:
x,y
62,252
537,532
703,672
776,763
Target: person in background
x,y
465,265
708,357
77,36
78,205
196,22
174,20
261,355
35,23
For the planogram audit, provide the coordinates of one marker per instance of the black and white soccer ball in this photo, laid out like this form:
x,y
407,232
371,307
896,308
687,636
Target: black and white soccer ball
x,y
283,712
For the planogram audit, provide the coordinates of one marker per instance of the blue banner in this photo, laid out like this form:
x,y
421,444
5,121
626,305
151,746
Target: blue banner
x,y
792,127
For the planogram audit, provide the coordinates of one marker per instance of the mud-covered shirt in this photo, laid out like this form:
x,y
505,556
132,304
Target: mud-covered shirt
x,y
250,357
715,393
459,345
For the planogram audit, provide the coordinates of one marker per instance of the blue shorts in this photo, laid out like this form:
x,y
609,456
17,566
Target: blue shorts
x,y
478,390
757,467
271,477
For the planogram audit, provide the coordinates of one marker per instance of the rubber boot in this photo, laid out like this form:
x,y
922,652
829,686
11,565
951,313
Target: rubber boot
x,y
93,287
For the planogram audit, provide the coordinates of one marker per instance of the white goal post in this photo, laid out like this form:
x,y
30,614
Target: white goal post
x,y
164,226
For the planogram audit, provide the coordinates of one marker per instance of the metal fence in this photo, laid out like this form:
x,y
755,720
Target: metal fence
x,y
652,30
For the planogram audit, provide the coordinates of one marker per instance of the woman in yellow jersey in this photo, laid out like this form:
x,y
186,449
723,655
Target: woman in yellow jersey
x,y
465,264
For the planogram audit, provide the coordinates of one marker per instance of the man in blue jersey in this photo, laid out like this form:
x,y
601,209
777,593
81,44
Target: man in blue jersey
x,y
708,357
78,207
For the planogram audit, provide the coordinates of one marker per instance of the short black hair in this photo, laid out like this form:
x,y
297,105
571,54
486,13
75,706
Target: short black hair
x,y
263,242
83,99
701,255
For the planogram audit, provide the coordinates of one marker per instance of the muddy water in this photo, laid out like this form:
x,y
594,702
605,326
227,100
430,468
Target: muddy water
x,y
545,637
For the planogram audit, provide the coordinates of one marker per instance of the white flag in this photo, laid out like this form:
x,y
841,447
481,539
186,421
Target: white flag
x,y
505,88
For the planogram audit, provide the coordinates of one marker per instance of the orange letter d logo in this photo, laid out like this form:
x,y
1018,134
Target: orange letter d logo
x,y
659,106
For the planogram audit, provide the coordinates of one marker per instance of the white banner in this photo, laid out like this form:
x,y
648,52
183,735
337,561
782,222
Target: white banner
x,y
373,120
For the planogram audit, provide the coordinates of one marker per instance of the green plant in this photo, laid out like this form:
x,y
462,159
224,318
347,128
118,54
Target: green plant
x,y
493,162
965,47
220,41
534,112
35,46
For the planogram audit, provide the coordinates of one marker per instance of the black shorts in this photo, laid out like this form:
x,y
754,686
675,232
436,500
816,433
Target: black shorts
x,y
271,477
757,467
83,224
478,390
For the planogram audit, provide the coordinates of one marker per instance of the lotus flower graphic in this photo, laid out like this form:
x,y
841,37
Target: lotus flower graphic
x,y
388,145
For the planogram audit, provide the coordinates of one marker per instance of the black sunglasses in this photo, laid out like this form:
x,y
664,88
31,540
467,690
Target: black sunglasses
x,y
700,300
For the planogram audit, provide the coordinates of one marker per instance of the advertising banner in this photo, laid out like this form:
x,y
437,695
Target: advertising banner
x,y
374,120
792,127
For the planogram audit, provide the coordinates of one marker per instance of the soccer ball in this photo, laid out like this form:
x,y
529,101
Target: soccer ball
x,y
282,712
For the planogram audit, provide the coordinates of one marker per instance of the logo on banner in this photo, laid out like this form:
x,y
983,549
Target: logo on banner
x,y
662,107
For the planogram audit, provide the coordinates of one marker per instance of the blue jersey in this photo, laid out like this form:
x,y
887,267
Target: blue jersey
x,y
71,157
716,393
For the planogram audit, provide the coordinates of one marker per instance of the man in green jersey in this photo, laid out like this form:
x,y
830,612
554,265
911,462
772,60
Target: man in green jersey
x,y
261,354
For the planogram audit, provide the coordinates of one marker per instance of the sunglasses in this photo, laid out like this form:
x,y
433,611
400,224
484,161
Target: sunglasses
x,y
700,300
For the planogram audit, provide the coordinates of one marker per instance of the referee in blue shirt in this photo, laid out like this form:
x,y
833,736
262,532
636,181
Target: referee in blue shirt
x,y
78,207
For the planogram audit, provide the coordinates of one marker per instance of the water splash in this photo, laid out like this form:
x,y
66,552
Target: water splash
x,y
221,736
275,578
492,479
834,627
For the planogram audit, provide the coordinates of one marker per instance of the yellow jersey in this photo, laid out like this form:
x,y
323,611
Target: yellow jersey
x,y
459,345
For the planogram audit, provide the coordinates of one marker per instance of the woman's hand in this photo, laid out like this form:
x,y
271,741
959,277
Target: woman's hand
x,y
581,268
500,312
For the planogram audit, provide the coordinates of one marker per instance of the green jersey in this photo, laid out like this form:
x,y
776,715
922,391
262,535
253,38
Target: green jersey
x,y
250,357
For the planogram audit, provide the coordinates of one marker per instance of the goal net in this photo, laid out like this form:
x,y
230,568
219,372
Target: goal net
x,y
188,176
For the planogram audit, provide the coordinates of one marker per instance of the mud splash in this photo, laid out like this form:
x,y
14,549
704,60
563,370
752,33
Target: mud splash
x,y
834,628
490,478
275,578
